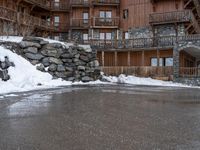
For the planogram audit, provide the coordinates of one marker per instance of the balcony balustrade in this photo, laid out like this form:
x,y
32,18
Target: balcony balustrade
x,y
106,2
171,17
80,23
79,3
105,22
59,6
23,19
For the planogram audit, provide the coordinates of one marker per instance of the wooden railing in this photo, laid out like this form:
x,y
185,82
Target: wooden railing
x,y
189,72
142,71
22,18
141,43
79,2
59,6
62,27
106,2
8,14
170,17
113,22
80,23
175,17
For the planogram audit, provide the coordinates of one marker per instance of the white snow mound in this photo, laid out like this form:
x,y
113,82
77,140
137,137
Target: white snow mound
x,y
25,76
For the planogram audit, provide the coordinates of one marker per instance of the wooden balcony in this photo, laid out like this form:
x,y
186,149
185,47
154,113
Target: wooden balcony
x,y
39,3
58,6
79,3
142,43
80,23
106,2
105,22
61,28
24,19
141,71
27,20
170,17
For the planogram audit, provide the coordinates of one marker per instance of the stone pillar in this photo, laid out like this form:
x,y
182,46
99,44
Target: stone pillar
x,y
176,56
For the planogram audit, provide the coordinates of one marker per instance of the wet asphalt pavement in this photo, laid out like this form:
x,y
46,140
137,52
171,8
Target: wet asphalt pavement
x,y
102,118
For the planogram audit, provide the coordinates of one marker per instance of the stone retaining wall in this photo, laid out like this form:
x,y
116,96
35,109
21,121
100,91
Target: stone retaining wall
x,y
71,63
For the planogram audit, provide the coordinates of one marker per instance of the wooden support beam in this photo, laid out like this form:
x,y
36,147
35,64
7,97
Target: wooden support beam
x,y
129,59
116,61
102,57
185,6
158,58
143,58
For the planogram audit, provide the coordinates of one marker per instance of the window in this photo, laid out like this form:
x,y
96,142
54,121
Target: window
x,y
85,17
108,36
162,62
126,35
154,62
56,3
85,37
105,16
125,13
56,21
168,61
102,36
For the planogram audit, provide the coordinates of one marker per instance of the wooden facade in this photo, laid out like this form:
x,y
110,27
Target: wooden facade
x,y
113,28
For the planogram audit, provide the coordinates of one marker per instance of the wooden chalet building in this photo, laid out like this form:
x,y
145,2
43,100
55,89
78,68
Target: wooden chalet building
x,y
156,38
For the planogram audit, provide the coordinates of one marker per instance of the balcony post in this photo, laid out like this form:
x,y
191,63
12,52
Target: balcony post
x,y
102,57
158,57
129,60
116,61
142,57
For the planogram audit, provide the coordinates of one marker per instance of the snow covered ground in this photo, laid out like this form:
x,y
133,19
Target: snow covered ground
x,y
25,76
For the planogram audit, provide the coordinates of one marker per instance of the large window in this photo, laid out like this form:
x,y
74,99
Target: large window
x,y
105,16
162,62
107,36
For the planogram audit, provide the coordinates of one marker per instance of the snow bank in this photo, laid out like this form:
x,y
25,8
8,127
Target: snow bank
x,y
141,81
25,76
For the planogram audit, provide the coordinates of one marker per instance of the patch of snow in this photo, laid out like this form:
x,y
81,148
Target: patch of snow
x,y
16,39
123,79
11,95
